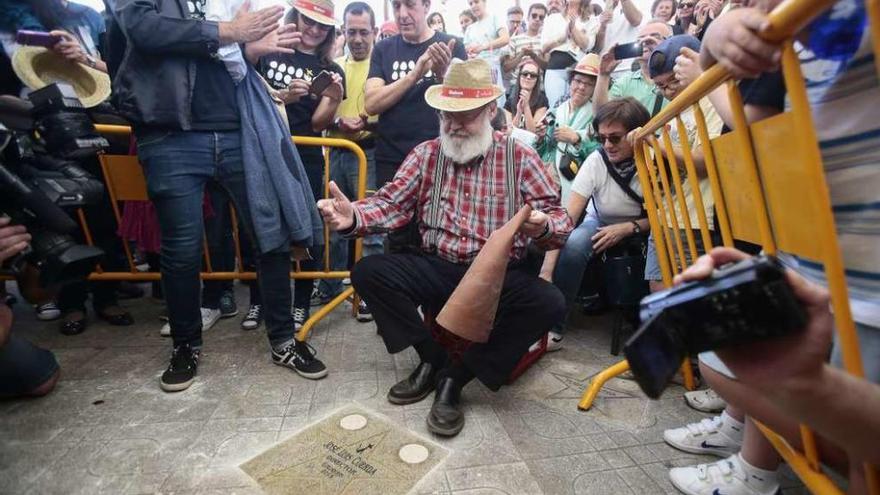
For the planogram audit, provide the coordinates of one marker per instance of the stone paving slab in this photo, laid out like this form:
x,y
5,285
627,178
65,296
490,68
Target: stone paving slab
x,y
108,428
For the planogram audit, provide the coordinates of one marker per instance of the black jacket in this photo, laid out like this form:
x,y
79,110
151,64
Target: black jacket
x,y
153,84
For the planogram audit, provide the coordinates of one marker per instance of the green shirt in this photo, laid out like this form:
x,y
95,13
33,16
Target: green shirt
x,y
636,86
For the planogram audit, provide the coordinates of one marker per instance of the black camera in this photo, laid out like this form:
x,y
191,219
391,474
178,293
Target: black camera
x,y
740,303
40,178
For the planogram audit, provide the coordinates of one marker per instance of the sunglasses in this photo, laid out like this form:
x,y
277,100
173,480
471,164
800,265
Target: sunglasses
x,y
529,75
538,17
686,5
311,23
613,139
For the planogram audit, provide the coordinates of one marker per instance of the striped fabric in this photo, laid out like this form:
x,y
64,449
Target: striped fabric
x,y
845,99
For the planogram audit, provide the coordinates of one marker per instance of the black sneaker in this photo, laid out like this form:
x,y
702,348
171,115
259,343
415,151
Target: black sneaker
x,y
182,370
363,314
253,319
300,316
228,308
300,357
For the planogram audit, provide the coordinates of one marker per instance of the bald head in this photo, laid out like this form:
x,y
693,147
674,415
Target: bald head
x,y
650,35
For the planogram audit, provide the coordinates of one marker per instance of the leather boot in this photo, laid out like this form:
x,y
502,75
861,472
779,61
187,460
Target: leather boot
x,y
446,417
415,387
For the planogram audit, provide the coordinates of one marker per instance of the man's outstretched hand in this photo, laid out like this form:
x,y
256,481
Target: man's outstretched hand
x,y
337,210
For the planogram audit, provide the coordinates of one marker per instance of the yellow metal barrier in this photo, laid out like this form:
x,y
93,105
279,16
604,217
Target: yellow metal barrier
x,y
125,182
764,176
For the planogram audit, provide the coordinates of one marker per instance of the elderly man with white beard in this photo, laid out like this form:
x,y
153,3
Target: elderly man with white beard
x,y
459,188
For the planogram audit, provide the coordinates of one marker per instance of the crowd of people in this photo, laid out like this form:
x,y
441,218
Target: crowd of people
x,y
536,109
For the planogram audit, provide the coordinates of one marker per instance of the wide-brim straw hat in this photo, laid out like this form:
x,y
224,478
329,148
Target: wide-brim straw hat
x,y
467,85
588,66
320,11
38,67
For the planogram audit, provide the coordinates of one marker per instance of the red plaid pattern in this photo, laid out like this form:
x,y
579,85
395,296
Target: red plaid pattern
x,y
473,204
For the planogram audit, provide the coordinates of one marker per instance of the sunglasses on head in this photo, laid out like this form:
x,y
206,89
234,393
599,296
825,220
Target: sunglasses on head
x,y
538,17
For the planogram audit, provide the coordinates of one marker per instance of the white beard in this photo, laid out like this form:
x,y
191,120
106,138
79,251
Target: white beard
x,y
464,149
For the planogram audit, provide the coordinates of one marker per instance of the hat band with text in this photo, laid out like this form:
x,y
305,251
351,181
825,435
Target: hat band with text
x,y
467,92
313,8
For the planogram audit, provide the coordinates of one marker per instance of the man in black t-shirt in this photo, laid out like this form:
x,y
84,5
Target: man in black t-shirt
x,y
402,68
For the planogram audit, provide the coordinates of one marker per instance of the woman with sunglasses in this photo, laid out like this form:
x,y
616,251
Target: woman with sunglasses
x,y
526,101
615,213
684,16
309,110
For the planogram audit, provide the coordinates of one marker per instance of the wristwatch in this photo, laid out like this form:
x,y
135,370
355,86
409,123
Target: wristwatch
x,y
636,227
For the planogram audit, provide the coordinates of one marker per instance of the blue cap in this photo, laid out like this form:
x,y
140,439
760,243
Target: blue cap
x,y
663,57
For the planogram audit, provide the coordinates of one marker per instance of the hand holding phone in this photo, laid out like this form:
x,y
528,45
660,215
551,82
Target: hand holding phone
x,y
321,82
628,50
36,38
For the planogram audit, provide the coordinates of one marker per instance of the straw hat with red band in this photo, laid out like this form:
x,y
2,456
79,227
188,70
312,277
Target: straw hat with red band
x,y
467,85
320,11
588,66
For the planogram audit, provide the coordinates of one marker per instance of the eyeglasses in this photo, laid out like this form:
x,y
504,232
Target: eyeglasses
x,y
461,117
311,23
612,139
537,17
529,75
583,81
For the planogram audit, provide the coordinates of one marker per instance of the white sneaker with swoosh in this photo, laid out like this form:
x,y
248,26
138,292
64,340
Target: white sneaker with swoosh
x,y
706,437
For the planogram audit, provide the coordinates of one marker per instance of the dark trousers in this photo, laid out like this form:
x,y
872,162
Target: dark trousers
x,y
221,245
394,285
177,166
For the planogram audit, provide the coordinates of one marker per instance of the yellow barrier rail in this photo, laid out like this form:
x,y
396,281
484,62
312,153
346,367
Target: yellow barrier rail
x,y
763,176
125,181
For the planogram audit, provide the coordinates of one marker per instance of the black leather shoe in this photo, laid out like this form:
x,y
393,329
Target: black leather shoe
x,y
415,387
446,417
123,319
74,327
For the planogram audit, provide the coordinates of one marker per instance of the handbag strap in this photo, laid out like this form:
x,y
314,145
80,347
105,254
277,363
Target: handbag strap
x,y
658,102
623,183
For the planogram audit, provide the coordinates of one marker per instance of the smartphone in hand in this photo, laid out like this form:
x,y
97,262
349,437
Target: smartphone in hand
x,y
628,50
36,38
321,82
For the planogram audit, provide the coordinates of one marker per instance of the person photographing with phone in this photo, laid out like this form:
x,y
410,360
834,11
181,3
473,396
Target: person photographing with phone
x,y
636,84
311,86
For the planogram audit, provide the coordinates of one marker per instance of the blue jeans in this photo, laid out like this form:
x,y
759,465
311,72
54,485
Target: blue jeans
x,y
573,259
178,165
344,171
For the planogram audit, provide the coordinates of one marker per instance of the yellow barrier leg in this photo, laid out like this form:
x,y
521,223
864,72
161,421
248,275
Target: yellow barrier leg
x,y
687,372
599,381
303,333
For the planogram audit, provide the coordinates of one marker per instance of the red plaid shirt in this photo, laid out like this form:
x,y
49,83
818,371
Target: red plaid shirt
x,y
474,201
